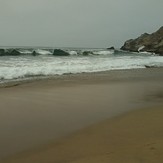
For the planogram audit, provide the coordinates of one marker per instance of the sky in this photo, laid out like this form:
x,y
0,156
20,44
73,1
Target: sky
x,y
77,23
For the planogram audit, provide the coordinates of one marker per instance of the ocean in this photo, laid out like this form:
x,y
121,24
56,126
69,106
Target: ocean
x,y
29,63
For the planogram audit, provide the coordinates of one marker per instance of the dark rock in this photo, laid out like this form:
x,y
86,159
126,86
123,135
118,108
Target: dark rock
x,y
150,66
146,42
86,53
2,52
59,52
111,48
9,52
14,52
34,53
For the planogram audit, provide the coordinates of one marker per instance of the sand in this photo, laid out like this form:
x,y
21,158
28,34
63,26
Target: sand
x,y
132,138
103,117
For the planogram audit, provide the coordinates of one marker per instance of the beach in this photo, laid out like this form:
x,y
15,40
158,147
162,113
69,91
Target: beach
x,y
113,116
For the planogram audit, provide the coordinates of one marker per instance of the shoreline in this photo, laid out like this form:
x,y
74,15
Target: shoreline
x,y
44,111
87,75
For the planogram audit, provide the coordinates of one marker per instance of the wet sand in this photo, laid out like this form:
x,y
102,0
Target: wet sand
x,y
44,121
131,138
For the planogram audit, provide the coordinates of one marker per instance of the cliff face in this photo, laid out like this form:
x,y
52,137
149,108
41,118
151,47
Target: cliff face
x,y
146,42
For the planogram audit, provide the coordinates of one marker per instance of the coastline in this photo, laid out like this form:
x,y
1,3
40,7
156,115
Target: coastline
x,y
48,110
110,75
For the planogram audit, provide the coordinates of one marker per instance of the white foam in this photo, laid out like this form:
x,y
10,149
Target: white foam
x,y
25,51
141,48
73,52
107,52
147,53
24,66
43,52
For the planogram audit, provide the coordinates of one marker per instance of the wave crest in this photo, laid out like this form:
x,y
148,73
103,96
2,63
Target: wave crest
x,y
54,52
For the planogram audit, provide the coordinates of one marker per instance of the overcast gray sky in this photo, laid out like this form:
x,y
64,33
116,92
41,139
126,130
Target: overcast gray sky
x,y
77,23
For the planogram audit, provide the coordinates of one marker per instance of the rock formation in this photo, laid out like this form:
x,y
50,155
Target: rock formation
x,y
34,53
111,48
9,52
146,42
59,52
86,53
2,52
14,52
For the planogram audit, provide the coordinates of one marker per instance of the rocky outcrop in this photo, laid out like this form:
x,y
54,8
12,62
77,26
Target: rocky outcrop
x,y
34,53
86,53
146,42
9,52
14,52
2,52
111,48
59,52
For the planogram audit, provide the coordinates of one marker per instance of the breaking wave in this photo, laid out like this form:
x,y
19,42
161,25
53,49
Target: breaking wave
x,y
54,52
20,63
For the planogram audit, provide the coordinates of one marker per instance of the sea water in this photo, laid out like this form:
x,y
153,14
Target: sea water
x,y
45,64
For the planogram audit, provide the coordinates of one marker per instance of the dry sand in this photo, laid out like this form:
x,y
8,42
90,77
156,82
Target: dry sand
x,y
44,121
